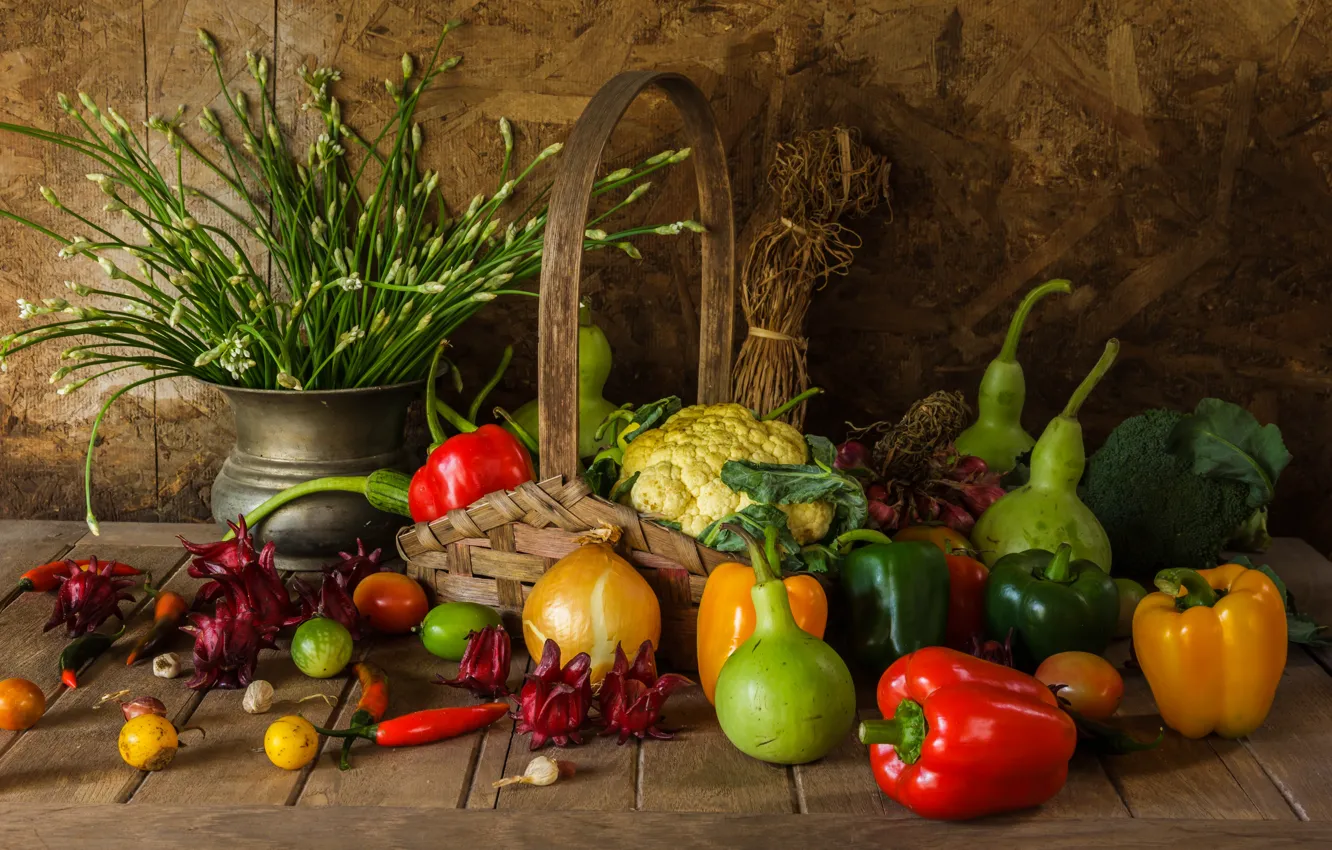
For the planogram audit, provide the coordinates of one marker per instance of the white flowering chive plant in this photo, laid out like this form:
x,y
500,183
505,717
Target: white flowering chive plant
x,y
365,286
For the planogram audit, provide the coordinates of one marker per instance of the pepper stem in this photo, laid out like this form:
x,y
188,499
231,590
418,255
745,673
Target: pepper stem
x,y
1057,569
1093,378
332,484
505,359
1199,592
437,434
1008,354
346,733
860,535
783,408
905,732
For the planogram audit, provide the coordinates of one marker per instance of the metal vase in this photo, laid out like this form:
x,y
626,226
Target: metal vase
x,y
285,438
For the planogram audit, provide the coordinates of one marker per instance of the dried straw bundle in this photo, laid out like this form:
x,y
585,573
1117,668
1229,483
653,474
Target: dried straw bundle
x,y
816,179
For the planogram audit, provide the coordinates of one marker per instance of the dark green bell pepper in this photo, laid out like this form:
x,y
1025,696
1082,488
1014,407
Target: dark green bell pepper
x,y
1051,603
897,594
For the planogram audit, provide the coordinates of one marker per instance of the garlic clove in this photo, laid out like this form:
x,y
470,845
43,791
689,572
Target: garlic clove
x,y
540,771
258,697
166,665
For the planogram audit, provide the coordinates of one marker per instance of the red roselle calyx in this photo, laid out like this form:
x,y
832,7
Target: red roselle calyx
x,y
993,650
554,701
631,697
484,668
334,599
88,597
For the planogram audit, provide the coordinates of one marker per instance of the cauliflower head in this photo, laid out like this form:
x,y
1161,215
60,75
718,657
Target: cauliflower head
x,y
679,468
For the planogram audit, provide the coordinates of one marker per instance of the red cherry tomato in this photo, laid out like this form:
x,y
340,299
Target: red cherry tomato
x,y
1092,685
21,704
393,603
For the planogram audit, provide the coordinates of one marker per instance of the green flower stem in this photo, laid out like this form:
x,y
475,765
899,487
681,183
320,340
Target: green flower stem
x,y
91,518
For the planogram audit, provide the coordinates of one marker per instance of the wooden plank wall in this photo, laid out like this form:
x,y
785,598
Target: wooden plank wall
x,y
1170,157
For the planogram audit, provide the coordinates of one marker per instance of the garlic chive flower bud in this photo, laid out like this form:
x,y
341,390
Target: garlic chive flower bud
x,y
549,152
506,133
112,271
617,175
349,337
78,288
177,313
350,283
286,381
27,309
104,183
474,206
680,156
595,235
639,191
49,196
63,100
433,287
416,137
207,41
89,104
60,374
629,249
72,387
407,66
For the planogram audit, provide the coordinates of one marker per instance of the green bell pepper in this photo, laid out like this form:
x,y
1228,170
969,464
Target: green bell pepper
x,y
897,594
1051,603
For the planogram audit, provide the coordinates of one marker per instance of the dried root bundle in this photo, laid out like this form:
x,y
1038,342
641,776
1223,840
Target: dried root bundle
x,y
816,179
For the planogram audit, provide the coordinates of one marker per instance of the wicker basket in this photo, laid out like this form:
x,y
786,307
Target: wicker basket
x,y
493,551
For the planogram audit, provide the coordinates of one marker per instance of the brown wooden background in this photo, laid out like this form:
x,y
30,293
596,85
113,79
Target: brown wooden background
x,y
1171,158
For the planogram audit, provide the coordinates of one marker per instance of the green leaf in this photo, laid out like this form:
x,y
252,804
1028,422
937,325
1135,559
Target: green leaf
x,y
602,475
1223,440
753,519
651,415
793,484
1300,628
821,450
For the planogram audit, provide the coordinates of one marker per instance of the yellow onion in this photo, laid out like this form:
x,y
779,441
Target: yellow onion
x,y
590,601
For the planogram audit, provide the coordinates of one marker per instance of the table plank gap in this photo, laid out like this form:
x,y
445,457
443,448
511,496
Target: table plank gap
x,y
497,743
34,654
842,781
343,707
700,771
71,753
1262,790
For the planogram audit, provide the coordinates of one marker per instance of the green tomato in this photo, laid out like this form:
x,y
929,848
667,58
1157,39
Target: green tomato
x,y
1130,594
445,629
321,647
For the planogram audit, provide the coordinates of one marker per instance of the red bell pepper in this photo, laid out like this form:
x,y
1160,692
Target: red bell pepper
x,y
458,471
466,467
966,737
966,597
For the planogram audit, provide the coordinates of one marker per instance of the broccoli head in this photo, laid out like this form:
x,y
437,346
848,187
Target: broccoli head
x,y
1156,511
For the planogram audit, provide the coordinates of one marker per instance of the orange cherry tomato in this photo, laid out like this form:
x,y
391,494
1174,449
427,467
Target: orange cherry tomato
x,y
21,704
1092,685
392,602
940,535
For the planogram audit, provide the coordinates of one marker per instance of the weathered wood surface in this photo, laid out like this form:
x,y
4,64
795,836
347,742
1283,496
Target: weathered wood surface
x,y
1187,791
1169,157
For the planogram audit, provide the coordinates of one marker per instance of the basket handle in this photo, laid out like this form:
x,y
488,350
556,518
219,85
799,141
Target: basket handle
x,y
562,257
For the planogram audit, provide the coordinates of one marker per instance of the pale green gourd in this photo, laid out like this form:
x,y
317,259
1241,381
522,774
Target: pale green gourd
x,y
1046,511
594,367
783,696
997,436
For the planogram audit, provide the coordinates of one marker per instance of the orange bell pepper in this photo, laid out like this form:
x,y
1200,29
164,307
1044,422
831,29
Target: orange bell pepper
x,y
726,615
1212,661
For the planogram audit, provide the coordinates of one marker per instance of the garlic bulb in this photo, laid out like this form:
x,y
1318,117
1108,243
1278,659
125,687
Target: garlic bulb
x,y
540,771
258,697
166,665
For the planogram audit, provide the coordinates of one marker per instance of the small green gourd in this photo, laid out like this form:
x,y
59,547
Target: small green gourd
x,y
997,436
1046,511
783,696
594,368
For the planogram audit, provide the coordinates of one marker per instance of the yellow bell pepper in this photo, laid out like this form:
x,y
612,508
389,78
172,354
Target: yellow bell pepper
x,y
1213,660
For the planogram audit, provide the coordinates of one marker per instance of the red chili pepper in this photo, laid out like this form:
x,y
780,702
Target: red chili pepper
x,y
426,727
966,598
168,613
966,737
46,577
371,707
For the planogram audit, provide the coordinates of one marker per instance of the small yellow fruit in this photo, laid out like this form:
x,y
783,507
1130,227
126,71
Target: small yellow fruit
x,y
291,742
148,742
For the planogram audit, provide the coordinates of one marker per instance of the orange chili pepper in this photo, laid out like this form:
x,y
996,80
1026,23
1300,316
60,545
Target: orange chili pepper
x,y
726,615
168,613
47,576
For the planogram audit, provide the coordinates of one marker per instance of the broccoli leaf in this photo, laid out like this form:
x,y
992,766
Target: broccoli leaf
x,y
1300,628
797,483
1223,440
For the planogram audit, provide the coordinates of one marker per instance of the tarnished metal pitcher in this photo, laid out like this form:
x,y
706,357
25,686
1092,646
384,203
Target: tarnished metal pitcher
x,y
285,438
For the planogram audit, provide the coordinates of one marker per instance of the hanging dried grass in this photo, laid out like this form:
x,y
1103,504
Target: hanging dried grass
x,y
816,179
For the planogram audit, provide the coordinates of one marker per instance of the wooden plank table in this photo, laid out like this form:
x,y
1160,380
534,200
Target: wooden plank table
x,y
1271,787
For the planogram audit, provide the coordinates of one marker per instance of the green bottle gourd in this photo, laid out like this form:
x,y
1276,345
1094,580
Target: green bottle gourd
x,y
997,436
594,367
1046,511
783,696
